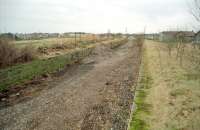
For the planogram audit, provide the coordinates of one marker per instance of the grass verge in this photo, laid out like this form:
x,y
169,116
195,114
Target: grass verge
x,y
142,109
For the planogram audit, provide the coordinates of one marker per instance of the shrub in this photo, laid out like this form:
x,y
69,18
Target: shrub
x,y
140,40
55,47
26,54
10,55
58,46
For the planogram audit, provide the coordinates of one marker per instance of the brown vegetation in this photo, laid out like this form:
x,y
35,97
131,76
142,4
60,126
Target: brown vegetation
x,y
7,53
10,55
140,39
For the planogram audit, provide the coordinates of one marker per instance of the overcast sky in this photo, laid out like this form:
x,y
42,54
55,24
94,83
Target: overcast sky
x,y
93,15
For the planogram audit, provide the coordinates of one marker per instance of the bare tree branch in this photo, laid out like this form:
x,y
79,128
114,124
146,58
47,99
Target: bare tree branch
x,y
195,9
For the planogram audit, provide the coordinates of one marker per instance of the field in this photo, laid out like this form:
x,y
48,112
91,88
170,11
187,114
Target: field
x,y
118,83
51,41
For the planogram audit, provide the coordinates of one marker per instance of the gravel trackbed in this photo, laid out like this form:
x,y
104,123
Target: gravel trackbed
x,y
97,94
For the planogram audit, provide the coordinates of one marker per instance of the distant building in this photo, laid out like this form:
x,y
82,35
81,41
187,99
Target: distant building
x,y
36,36
168,36
153,36
53,35
197,37
188,36
173,36
73,34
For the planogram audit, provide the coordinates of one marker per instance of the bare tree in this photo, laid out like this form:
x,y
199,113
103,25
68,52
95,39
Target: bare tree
x,y
195,9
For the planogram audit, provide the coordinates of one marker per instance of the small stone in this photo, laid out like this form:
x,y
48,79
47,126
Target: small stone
x,y
126,79
3,99
12,95
171,103
46,75
17,94
185,113
108,83
57,53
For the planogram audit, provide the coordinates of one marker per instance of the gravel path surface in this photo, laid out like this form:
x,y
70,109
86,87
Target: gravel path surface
x,y
95,95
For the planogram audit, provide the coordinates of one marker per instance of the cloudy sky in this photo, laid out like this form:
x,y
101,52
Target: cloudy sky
x,y
93,15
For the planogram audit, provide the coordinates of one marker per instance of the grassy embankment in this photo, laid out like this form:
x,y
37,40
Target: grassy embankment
x,y
23,72
168,94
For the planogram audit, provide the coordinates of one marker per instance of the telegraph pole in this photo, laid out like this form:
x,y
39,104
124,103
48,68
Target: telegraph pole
x,y
145,31
126,32
108,33
75,38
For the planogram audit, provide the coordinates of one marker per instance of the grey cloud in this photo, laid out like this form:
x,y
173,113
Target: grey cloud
x,y
91,15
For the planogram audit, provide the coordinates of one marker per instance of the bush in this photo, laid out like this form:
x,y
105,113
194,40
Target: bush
x,y
26,54
55,47
10,55
59,46
140,40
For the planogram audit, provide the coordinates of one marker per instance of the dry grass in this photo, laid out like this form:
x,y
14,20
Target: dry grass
x,y
10,55
26,54
52,41
175,98
175,93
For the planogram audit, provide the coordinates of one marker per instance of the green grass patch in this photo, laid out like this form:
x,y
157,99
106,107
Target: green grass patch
x,y
23,72
142,109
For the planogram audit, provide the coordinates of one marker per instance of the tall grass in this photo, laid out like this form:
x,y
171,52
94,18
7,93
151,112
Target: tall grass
x,y
10,55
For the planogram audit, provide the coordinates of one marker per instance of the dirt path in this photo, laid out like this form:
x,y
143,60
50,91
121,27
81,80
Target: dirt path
x,y
95,95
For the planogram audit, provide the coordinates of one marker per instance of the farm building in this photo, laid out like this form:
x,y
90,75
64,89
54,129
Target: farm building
x,y
168,36
172,36
188,36
153,36
53,35
197,37
32,36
